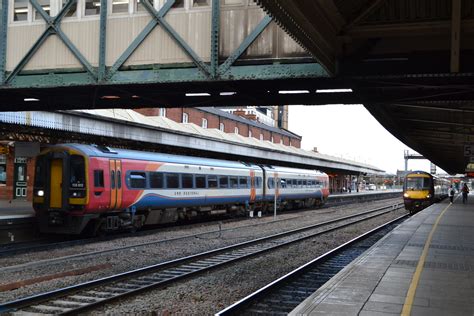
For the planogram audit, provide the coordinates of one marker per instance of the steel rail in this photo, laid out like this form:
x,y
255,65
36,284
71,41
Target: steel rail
x,y
291,283
81,297
42,245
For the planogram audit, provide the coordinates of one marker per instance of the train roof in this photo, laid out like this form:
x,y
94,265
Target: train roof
x,y
114,153
293,170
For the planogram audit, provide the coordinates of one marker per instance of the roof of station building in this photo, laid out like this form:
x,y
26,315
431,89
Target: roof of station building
x,y
124,124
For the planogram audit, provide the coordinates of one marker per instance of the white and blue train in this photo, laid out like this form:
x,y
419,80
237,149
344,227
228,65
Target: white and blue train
x,y
83,187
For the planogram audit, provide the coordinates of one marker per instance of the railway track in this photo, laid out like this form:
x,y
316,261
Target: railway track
x,y
81,297
48,243
283,295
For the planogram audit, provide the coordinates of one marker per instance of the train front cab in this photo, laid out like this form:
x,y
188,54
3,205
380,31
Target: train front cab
x,y
418,191
60,192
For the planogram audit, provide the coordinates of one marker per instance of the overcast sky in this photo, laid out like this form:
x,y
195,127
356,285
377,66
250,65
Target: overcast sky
x,y
350,131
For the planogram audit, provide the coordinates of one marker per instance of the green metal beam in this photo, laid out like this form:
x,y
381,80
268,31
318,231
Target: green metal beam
x,y
215,31
171,75
178,39
3,38
141,37
245,44
102,40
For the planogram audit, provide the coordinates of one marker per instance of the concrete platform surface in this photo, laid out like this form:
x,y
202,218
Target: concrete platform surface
x,y
16,209
423,267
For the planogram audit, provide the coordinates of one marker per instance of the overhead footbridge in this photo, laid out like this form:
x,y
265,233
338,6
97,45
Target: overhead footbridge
x,y
58,54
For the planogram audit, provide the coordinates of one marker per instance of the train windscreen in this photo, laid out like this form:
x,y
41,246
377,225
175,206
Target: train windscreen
x,y
418,183
78,172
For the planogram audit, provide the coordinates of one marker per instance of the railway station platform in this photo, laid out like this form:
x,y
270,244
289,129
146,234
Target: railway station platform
x,y
16,209
423,267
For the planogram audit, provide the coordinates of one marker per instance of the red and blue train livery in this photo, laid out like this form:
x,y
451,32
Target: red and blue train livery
x,y
90,189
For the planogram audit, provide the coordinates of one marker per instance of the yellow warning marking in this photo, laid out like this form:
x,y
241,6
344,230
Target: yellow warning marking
x,y
419,268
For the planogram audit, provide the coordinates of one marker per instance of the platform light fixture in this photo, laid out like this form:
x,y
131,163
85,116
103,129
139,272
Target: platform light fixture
x,y
30,100
333,90
227,93
199,94
110,97
293,91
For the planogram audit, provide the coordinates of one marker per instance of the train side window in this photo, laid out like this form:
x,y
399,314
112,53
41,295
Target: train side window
x,y
188,182
156,180
200,181
223,182
137,180
258,182
112,179
40,171
305,183
99,178
172,180
300,183
243,182
270,183
212,182
283,183
233,182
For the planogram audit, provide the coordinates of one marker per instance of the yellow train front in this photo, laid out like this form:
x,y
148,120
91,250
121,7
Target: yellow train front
x,y
421,189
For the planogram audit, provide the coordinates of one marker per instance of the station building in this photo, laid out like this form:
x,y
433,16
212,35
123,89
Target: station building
x,y
24,134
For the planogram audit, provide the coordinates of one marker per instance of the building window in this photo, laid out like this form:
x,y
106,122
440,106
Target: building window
x,y
3,169
272,140
92,7
261,136
281,140
250,133
120,6
72,12
20,10
185,117
178,4
46,5
140,7
232,2
221,127
204,123
200,3
236,130
163,112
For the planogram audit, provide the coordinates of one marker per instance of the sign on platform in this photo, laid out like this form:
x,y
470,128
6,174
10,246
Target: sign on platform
x,y
468,150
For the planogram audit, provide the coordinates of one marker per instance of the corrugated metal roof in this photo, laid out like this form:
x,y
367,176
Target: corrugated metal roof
x,y
159,121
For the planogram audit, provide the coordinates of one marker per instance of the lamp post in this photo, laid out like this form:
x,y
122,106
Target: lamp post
x,y
277,186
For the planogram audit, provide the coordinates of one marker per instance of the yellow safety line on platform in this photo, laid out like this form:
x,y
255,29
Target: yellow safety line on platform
x,y
419,268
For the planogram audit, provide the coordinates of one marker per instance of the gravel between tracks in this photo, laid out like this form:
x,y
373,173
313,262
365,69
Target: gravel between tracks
x,y
201,295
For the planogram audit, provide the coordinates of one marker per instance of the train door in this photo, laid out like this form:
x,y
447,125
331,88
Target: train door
x,y
19,176
252,187
56,179
115,168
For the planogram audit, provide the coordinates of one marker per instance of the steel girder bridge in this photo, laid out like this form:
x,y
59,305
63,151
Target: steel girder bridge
x,y
243,66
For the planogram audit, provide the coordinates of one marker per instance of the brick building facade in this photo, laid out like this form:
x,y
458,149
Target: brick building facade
x,y
229,123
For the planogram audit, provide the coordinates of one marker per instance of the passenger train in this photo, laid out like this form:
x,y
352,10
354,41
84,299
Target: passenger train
x,y
90,189
421,189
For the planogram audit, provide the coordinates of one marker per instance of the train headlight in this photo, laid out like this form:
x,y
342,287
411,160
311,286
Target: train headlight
x,y
40,193
428,196
406,195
